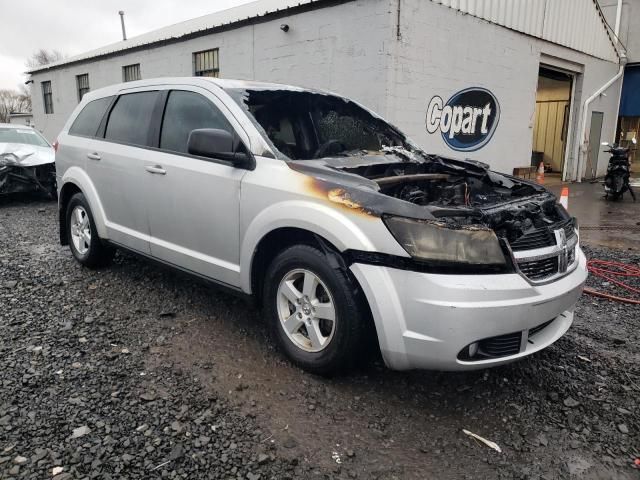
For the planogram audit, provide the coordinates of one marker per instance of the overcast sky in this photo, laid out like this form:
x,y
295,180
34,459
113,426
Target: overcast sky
x,y
75,26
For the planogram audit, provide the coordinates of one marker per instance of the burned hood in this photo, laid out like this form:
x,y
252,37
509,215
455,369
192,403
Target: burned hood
x,y
23,155
458,193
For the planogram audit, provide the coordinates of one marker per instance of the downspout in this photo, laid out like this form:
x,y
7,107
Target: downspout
x,y
582,152
616,30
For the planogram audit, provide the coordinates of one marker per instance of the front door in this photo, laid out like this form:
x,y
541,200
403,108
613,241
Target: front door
x,y
194,203
595,134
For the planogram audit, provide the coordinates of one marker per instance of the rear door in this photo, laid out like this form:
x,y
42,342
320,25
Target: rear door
x,y
117,168
194,202
81,139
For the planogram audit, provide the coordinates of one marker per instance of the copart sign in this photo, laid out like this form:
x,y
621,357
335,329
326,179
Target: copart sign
x,y
468,119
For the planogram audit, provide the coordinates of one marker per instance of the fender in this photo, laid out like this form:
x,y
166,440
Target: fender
x,y
79,178
343,231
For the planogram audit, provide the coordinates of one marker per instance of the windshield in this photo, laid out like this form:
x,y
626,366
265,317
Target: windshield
x,y
25,136
306,125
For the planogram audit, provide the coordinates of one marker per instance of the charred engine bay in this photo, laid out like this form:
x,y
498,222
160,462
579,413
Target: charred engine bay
x,y
453,192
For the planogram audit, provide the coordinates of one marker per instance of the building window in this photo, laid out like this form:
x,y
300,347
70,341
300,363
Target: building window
x,y
131,73
83,85
205,64
47,97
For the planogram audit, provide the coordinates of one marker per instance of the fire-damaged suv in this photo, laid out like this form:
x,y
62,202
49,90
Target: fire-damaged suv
x,y
338,226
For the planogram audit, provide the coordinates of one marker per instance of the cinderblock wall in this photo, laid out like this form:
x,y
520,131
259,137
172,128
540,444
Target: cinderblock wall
x,y
339,48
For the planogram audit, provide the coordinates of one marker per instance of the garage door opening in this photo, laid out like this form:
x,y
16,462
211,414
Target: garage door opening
x,y
551,121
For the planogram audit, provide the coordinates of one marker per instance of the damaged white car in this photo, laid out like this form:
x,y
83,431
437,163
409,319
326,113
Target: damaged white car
x,y
329,217
27,161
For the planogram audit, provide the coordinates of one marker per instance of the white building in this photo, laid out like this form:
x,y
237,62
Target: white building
x,y
532,63
19,118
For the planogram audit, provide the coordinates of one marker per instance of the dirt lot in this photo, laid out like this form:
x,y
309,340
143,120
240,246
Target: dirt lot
x,y
137,372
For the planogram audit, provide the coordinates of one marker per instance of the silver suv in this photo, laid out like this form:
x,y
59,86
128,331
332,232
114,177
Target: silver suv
x,y
328,216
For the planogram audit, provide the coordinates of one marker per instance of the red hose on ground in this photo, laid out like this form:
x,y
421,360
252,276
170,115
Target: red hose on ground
x,y
609,270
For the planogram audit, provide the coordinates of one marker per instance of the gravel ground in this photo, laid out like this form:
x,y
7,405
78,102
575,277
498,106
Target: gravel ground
x,y
137,372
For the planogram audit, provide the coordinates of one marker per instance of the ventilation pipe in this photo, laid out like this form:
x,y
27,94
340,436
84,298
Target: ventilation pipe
x,y
124,32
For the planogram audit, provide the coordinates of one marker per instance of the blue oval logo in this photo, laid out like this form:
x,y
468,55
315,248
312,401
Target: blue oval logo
x,y
467,121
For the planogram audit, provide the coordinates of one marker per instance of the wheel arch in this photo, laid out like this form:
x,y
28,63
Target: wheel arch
x,y
278,240
76,180
301,219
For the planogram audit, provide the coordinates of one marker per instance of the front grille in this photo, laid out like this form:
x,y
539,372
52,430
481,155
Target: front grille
x,y
539,269
539,328
546,253
539,238
542,237
569,228
501,346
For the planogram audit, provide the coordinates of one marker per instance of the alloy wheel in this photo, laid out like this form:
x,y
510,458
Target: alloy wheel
x,y
80,230
306,310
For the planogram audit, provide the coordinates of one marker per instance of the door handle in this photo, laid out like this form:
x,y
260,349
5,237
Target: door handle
x,y
155,169
93,156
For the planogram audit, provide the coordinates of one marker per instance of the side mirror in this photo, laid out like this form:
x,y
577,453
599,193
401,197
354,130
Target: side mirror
x,y
218,144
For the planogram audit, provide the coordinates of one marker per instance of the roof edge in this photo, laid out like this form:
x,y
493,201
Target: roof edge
x,y
607,28
257,19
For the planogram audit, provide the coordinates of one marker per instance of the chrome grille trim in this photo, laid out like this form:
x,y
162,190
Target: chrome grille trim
x,y
542,236
543,253
564,250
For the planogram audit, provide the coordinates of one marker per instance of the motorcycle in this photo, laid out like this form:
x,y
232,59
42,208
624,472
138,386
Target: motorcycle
x,y
616,181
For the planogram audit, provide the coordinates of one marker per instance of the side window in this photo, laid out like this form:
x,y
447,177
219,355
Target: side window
x,y
130,118
187,111
88,120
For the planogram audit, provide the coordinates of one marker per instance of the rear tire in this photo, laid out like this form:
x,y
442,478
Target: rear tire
x,y
315,311
84,242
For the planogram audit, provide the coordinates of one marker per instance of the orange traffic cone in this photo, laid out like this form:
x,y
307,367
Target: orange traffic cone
x,y
540,176
564,198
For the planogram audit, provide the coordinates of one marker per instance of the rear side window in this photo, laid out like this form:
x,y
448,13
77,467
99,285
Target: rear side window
x,y
187,111
88,120
130,118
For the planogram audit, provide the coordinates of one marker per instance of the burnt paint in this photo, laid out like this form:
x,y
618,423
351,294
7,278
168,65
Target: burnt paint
x,y
341,182
363,195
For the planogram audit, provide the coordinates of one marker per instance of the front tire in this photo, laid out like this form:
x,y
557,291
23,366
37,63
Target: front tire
x,y
84,242
314,310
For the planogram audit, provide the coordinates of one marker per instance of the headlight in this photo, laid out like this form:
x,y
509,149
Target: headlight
x,y
436,242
